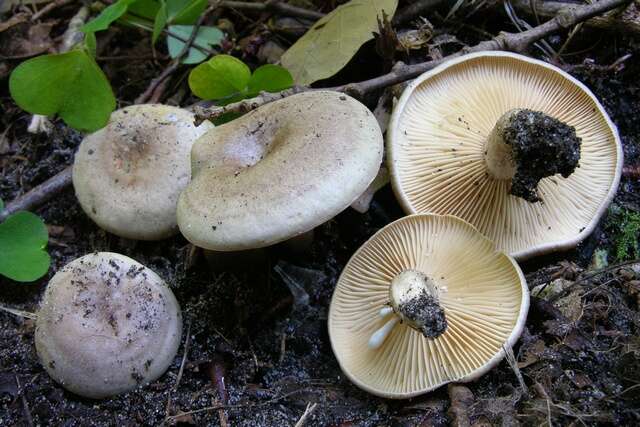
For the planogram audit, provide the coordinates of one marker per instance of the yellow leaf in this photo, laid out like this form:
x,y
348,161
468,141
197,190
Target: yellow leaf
x,y
332,41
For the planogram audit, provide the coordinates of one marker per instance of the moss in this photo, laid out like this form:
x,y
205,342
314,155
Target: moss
x,y
624,226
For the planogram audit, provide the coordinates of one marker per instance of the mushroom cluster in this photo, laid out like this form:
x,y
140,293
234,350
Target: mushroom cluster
x,y
513,145
427,300
106,325
494,156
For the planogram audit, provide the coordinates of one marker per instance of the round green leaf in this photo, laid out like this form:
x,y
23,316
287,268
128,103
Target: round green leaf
x,y
270,78
220,77
70,84
23,238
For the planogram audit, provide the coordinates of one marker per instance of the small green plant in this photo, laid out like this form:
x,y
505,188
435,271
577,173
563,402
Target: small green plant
x,y
23,239
226,79
624,226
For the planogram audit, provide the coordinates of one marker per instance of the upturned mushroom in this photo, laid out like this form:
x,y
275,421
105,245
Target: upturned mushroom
x,y
515,146
128,175
107,324
426,301
279,171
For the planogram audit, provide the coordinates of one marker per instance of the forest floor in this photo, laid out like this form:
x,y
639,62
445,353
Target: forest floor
x,y
264,356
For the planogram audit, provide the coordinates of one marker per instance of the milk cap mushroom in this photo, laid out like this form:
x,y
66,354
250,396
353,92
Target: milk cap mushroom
x,y
106,325
279,171
513,145
426,301
128,175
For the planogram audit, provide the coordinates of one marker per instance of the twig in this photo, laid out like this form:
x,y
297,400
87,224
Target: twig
x,y
48,8
307,413
19,313
517,42
513,363
628,20
275,7
415,9
180,371
173,66
238,406
217,373
39,194
607,269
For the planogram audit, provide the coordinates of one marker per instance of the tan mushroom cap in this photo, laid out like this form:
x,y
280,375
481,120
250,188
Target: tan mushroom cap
x,y
481,291
279,171
106,325
436,148
128,175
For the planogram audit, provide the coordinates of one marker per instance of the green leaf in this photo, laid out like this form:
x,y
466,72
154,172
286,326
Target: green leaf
x,y
206,37
1,205
107,16
332,41
90,44
220,77
270,78
185,12
70,84
160,22
23,238
145,8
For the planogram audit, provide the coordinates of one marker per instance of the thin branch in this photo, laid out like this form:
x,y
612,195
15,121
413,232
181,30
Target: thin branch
x,y
173,66
517,42
627,20
39,194
274,7
415,9
48,8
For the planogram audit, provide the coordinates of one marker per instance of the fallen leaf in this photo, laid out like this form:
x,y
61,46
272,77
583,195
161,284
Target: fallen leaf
x,y
332,41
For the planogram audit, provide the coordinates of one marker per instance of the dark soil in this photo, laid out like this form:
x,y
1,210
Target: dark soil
x,y
263,350
542,146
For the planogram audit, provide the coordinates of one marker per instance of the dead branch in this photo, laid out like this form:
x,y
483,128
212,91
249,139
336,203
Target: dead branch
x,y
415,9
48,8
39,194
173,66
274,7
626,20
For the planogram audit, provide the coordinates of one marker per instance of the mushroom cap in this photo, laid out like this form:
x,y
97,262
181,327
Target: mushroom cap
x,y
279,171
481,290
129,174
436,139
106,325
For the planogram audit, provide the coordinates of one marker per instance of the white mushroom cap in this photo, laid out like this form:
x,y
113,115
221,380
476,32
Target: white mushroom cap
x,y
439,158
128,175
279,171
106,325
426,301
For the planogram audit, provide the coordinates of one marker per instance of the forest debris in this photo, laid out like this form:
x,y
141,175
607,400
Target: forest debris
x,y
461,400
626,21
307,413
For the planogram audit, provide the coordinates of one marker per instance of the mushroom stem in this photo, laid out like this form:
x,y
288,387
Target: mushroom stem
x,y
526,146
379,336
415,299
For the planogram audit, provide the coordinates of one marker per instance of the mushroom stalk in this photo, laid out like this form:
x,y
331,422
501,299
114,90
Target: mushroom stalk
x,y
526,146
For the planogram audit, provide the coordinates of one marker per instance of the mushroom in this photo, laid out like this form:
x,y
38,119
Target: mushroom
x,y
279,171
426,301
128,175
106,325
515,146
